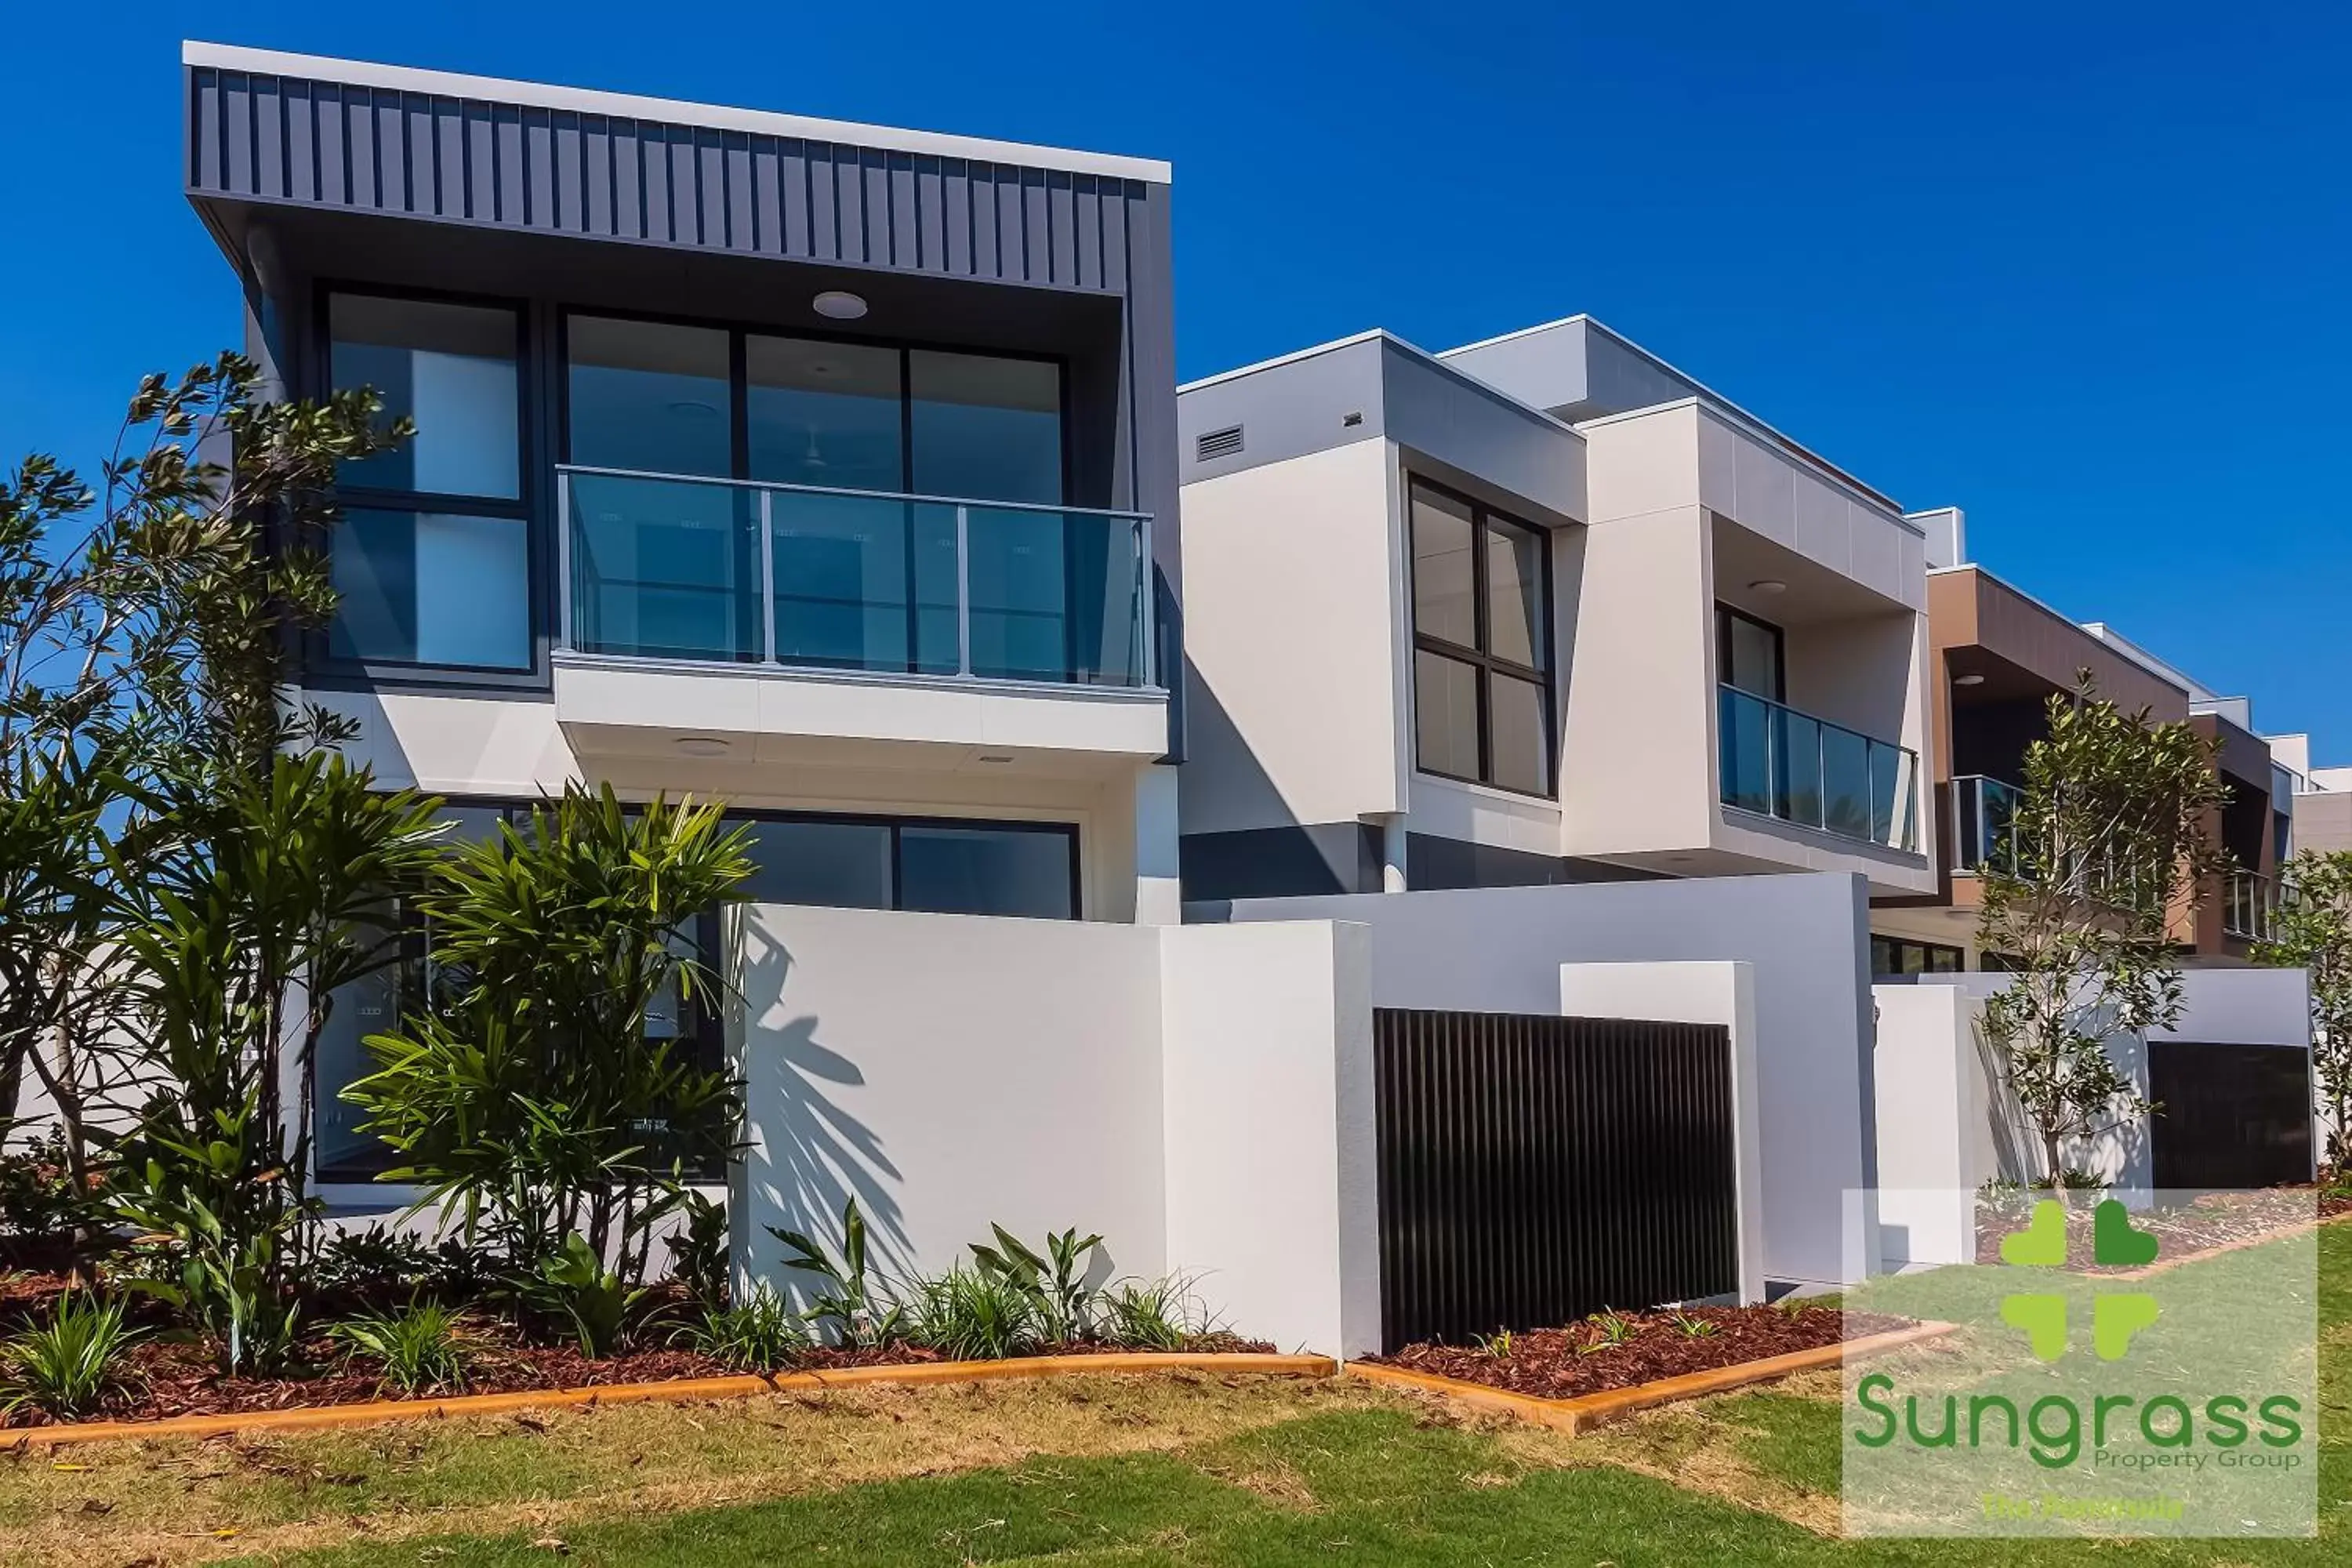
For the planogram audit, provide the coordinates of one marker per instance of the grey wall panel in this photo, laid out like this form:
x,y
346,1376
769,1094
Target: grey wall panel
x,y
328,143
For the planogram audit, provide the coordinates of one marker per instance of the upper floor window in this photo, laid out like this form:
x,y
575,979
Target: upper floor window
x,y
1749,653
432,556
1482,643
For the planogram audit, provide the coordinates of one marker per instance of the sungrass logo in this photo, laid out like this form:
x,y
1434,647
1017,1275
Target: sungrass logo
x,y
2186,1408
2115,1316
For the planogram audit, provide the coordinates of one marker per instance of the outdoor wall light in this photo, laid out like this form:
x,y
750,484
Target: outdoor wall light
x,y
1769,585
703,746
838,305
1967,681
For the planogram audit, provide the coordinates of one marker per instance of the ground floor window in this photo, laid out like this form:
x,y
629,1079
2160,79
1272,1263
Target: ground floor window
x,y
931,865
1901,955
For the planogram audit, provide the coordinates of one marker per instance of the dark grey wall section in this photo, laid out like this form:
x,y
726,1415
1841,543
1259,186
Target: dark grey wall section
x,y
262,138
1432,862
1308,861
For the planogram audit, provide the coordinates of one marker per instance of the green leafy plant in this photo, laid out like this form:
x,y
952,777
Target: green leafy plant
x,y
2110,841
1610,1331
698,1249
216,1246
572,1285
2312,930
1151,1314
861,1314
535,1098
39,1195
760,1333
972,1314
1496,1344
418,1348
1062,1301
2072,1179
377,1258
1692,1327
67,1366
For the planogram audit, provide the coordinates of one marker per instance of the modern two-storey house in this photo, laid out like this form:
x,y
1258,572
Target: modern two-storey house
x,y
824,468
1537,610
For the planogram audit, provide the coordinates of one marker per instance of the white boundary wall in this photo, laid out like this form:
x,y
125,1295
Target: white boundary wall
x,y
1500,949
1202,1096
1944,1129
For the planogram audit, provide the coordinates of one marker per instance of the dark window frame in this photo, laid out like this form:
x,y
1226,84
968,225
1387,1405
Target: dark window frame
x,y
739,415
1727,614
896,823
524,507
739,401
1488,665
1930,952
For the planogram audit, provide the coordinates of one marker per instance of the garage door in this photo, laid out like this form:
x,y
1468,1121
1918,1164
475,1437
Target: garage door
x,y
1535,1169
2231,1116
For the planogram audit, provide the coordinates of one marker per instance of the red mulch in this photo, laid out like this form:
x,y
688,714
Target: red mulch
x,y
2212,1220
1560,1363
174,1374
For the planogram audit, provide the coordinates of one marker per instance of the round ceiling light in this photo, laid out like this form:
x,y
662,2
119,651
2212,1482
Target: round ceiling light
x,y
839,305
703,746
1769,585
1969,679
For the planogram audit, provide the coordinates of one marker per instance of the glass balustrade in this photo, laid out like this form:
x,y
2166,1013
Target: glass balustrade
x,y
658,566
1984,824
1778,761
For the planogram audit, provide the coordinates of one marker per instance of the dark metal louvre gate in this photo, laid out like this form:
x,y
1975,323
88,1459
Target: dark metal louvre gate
x,y
1534,1169
2231,1116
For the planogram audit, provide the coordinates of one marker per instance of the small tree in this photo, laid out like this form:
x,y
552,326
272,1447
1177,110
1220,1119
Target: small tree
x,y
2312,929
535,1094
2110,840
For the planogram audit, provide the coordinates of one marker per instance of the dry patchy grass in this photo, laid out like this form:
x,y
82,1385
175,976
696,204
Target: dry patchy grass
x,y
176,1502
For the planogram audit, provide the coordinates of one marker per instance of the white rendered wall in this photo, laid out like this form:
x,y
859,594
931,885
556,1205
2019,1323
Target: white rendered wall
x,y
1290,585
1499,950
1202,1096
1273,1172
949,1072
1694,993
1946,1123
513,749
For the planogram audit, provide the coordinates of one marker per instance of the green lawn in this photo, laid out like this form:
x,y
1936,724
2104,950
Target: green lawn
x,y
1092,1471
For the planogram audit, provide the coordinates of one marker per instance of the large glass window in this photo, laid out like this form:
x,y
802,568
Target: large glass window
x,y
985,428
936,865
1482,643
649,396
432,555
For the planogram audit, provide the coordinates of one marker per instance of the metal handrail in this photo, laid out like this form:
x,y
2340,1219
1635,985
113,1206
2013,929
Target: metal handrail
x,y
1903,828
1146,622
731,483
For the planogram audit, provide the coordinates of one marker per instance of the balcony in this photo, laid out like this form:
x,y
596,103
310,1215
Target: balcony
x,y
816,625
1984,824
1778,762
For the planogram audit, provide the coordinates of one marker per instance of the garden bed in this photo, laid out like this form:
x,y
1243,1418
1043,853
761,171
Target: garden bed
x,y
2210,1223
1566,1364
167,1377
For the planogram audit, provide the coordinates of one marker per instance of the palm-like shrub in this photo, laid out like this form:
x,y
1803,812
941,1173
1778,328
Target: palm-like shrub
x,y
972,1314
533,1096
419,1347
68,1365
760,1333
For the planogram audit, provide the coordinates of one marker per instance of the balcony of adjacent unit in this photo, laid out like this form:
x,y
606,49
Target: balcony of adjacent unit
x,y
784,549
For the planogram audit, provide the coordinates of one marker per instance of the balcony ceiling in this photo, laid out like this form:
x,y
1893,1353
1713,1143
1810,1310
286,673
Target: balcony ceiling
x,y
1815,593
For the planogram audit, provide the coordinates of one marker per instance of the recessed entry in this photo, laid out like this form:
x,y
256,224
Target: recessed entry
x,y
1217,444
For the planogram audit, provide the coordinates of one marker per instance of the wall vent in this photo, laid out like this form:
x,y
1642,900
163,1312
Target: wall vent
x,y
1218,443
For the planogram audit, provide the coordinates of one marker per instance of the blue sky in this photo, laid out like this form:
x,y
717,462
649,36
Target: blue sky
x,y
2079,268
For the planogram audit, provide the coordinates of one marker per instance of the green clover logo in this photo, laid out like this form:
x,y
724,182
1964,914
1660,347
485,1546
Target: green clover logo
x,y
2115,1316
